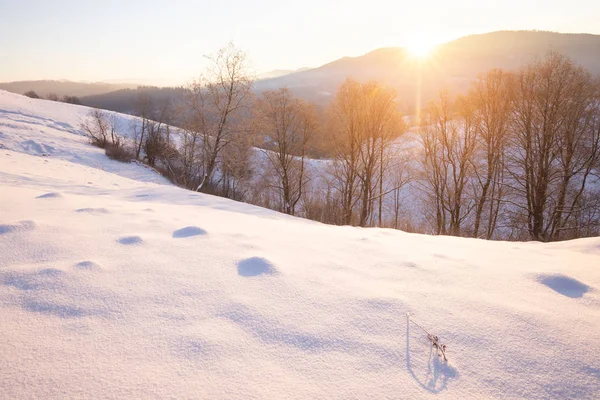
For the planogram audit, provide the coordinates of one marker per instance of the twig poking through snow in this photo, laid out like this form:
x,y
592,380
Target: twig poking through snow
x,y
434,339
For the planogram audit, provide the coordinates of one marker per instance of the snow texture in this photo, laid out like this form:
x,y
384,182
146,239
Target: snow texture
x,y
116,284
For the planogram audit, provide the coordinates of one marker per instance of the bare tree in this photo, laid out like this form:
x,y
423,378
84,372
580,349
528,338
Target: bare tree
x,y
449,141
190,152
492,99
101,129
157,143
555,143
237,168
399,176
345,124
289,125
379,129
579,151
214,108
144,110
364,120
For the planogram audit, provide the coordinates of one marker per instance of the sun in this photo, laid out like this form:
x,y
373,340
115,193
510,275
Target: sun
x,y
420,47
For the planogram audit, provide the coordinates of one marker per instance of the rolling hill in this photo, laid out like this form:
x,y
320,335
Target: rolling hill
x,y
63,87
116,284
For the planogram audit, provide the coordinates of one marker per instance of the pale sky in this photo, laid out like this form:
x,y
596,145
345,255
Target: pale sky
x,y
165,41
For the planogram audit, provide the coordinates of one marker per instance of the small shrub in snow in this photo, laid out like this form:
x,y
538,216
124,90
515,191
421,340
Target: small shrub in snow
x,y
118,152
434,339
32,94
157,144
101,129
71,100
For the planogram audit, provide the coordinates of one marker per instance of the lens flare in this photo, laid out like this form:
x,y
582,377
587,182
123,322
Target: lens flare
x,y
420,48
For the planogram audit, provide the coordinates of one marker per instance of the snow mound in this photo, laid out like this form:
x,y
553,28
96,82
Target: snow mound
x,y
564,285
51,195
54,309
31,146
48,291
37,280
87,265
255,266
188,231
89,210
21,226
131,240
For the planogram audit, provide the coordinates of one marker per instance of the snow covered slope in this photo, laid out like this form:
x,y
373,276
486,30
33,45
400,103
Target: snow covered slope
x,y
114,284
48,128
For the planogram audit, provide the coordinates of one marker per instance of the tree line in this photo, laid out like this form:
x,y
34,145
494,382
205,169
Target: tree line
x,y
517,157
54,97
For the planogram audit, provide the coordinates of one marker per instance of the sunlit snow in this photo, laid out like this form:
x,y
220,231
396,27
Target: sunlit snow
x,y
116,284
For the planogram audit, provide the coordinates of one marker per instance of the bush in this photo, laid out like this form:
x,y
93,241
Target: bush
x,y
101,128
118,152
71,100
32,94
171,173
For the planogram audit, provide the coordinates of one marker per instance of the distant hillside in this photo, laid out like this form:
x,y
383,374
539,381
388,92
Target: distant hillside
x,y
63,88
124,100
453,65
277,73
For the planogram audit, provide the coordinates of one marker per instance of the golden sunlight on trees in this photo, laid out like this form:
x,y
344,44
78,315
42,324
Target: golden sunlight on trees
x,y
555,146
364,121
491,98
516,157
449,141
520,150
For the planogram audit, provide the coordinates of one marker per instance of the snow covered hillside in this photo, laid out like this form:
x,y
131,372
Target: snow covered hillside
x,y
116,284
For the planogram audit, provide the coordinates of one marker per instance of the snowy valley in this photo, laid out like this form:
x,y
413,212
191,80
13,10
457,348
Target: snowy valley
x,y
115,283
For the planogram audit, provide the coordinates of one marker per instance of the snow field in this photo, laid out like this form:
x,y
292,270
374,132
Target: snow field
x,y
115,284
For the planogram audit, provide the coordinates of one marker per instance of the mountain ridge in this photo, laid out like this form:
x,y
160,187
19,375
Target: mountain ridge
x,y
451,65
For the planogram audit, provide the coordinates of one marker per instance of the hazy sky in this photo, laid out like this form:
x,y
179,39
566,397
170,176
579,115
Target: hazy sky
x,y
164,41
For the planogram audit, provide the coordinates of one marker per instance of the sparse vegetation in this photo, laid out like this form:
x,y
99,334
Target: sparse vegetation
x,y
288,125
71,100
214,107
31,94
119,152
101,129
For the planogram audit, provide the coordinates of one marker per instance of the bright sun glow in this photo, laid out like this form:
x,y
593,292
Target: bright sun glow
x,y
420,47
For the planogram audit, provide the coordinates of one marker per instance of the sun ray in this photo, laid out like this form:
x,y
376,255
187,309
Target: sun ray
x,y
420,46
